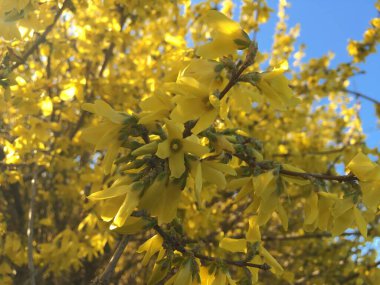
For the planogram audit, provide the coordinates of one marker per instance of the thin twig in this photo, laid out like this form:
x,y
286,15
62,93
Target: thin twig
x,y
175,244
361,95
357,274
306,175
30,231
110,268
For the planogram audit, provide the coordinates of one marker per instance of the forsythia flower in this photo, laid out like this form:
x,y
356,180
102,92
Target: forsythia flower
x,y
184,275
364,168
155,108
161,200
194,102
275,86
175,147
227,36
121,199
106,135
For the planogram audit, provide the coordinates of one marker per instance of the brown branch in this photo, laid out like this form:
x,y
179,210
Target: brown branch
x,y
175,244
322,152
110,268
42,38
306,175
357,274
249,60
306,236
30,231
361,95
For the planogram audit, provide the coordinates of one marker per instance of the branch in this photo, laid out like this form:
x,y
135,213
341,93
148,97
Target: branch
x,y
357,274
42,38
175,244
306,175
306,236
30,231
361,95
249,60
110,268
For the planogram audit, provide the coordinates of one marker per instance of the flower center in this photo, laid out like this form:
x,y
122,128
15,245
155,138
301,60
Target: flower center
x,y
175,145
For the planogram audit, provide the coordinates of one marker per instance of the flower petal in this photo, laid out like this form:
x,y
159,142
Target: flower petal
x,y
177,164
110,192
194,148
205,121
163,149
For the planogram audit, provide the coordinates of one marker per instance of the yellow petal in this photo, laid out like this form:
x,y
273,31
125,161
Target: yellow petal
x,y
177,164
225,168
151,246
311,209
371,194
161,201
220,278
364,168
283,216
343,222
130,203
110,207
253,233
292,179
163,149
194,148
214,176
184,275
175,130
110,156
105,110
266,209
234,245
110,192
325,205
360,222
276,267
238,182
205,121
216,48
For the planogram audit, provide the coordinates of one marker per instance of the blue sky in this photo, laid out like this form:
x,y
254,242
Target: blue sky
x,y
326,25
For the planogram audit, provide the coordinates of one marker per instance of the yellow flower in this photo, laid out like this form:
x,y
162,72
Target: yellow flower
x,y
161,200
274,85
121,199
194,102
175,147
155,108
227,36
364,168
106,134
209,171
184,275
151,247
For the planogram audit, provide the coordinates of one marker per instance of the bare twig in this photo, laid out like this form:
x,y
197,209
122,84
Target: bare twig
x,y
361,95
357,274
175,244
30,231
306,175
110,268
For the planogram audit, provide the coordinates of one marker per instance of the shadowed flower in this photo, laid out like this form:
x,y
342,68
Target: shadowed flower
x,y
227,36
175,147
106,134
